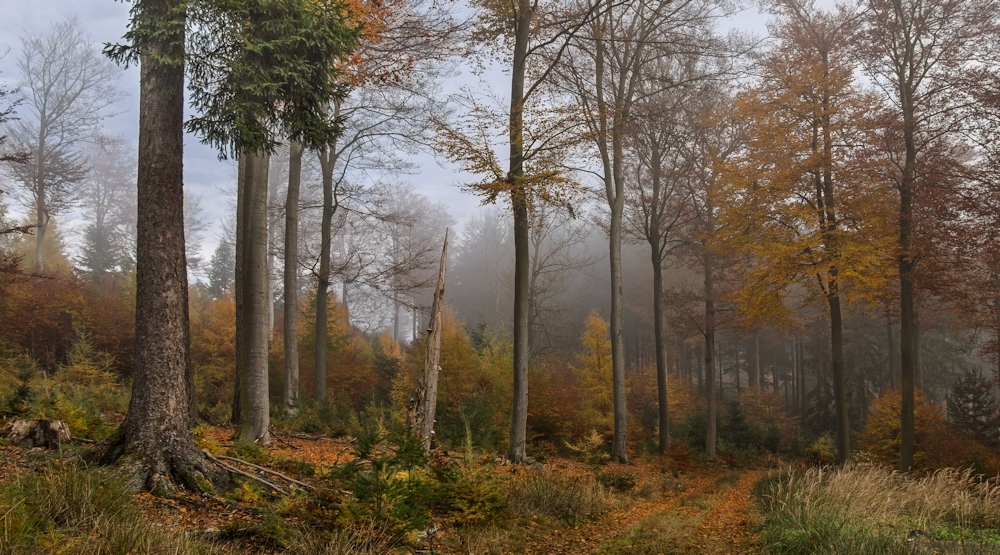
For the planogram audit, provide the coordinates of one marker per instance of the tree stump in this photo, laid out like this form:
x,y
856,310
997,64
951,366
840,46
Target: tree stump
x,y
39,433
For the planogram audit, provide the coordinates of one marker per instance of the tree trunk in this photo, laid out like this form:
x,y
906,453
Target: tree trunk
x,y
254,399
661,347
238,289
291,279
423,403
619,449
519,201
328,160
156,433
41,225
756,379
839,378
890,341
710,438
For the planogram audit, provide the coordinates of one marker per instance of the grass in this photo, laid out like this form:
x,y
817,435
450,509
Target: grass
x,y
556,496
874,510
80,512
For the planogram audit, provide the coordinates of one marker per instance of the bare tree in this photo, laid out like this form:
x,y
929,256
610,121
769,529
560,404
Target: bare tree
x,y
657,204
66,85
610,69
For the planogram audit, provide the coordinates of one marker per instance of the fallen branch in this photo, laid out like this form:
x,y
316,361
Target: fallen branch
x,y
309,437
285,441
235,470
268,470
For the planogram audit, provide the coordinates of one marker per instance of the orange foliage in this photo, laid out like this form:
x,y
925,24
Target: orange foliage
x,y
938,444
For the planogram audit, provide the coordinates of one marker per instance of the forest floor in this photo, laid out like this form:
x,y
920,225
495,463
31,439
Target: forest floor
x,y
709,511
672,508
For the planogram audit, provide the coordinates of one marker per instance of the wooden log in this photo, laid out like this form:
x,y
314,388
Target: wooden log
x,y
39,433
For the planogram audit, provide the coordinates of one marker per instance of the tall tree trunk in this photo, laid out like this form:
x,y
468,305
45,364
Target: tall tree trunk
x,y
291,279
519,201
41,226
254,398
710,438
238,288
156,428
839,379
619,449
328,160
756,380
661,344
423,403
890,341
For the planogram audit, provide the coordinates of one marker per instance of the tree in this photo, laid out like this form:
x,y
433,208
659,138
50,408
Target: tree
x,y
107,200
157,426
221,269
67,85
269,70
804,205
291,279
917,52
657,205
610,69
226,81
973,408
530,31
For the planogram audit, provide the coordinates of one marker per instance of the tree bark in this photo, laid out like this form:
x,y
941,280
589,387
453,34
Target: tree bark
x,y
156,428
254,398
291,280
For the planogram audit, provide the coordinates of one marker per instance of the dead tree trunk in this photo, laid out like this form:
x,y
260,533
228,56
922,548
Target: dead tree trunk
x,y
420,416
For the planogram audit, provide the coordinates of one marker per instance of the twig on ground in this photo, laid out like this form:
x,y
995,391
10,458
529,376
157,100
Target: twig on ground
x,y
235,470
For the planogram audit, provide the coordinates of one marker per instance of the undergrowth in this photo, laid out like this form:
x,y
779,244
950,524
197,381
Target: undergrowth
x,y
878,511
79,511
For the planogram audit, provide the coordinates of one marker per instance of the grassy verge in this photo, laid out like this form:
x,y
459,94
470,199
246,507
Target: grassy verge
x,y
63,509
874,510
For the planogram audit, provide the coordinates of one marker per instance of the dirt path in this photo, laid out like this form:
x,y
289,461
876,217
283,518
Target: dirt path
x,y
711,514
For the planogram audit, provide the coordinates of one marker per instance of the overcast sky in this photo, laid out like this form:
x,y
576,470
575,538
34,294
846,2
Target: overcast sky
x,y
204,174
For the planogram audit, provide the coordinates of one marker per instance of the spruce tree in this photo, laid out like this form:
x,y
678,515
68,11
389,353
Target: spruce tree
x,y
973,408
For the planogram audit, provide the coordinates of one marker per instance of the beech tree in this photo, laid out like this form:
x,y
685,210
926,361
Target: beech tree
x,y
804,203
917,53
536,37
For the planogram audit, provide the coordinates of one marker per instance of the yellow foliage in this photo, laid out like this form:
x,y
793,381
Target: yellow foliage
x,y
881,436
594,372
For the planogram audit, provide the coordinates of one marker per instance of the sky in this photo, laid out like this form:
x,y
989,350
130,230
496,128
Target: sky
x,y
204,174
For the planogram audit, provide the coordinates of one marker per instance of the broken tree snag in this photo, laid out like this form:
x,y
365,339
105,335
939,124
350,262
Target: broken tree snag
x,y
39,433
420,415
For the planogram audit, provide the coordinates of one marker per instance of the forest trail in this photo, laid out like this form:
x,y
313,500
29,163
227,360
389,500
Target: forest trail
x,y
711,512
